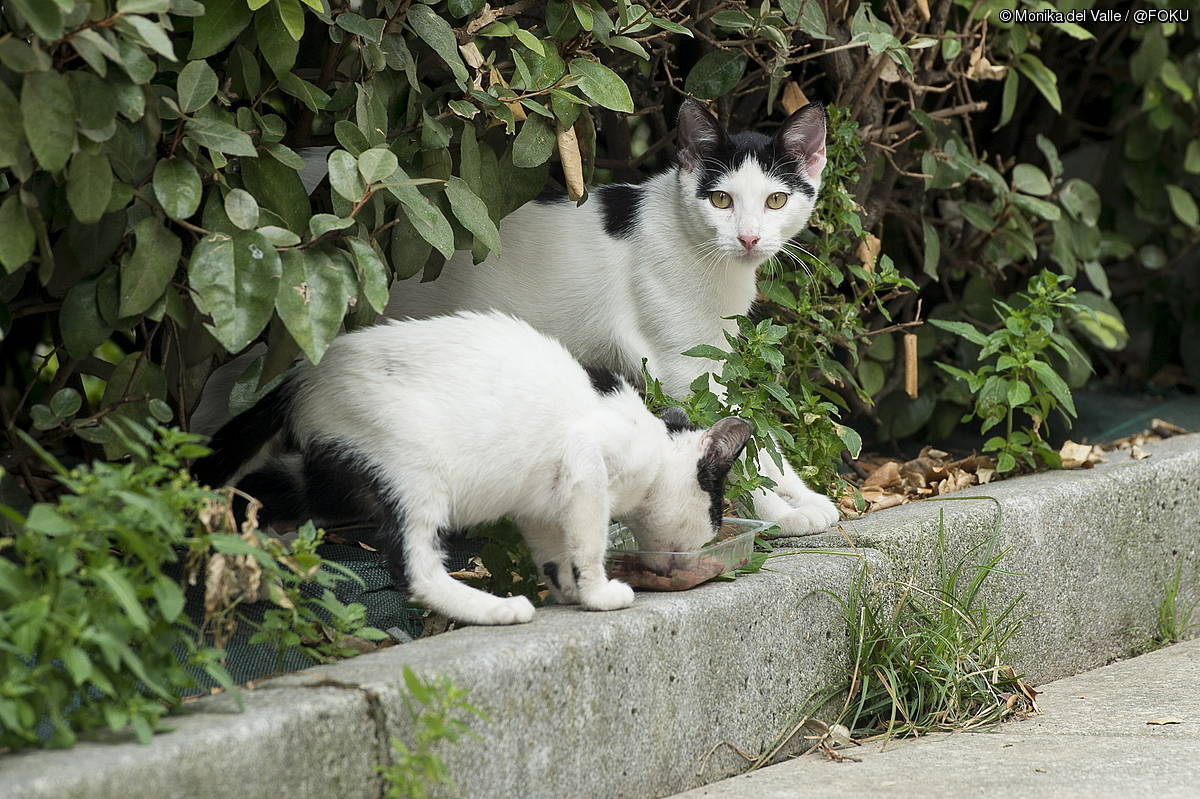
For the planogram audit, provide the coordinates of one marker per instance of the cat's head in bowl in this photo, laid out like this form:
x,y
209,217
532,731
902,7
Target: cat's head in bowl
x,y
748,193
683,508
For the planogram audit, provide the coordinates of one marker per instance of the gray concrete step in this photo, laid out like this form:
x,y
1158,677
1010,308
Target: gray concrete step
x,y
1091,740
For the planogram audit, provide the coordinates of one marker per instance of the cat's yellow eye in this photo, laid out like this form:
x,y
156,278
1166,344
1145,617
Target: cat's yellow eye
x,y
720,199
776,201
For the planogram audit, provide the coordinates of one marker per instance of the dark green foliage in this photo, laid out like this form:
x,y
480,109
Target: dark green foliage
x,y
91,604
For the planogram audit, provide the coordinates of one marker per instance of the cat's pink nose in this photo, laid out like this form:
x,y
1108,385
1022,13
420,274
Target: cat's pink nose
x,y
748,242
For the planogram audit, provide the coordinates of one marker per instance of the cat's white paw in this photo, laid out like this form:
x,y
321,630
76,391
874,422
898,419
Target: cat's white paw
x,y
812,514
609,595
513,610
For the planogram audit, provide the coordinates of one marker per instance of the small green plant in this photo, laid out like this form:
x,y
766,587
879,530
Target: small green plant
x,y
507,559
930,659
1014,378
91,609
1175,616
438,711
751,375
89,617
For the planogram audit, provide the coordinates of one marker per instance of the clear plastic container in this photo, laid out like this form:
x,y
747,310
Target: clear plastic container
x,y
679,571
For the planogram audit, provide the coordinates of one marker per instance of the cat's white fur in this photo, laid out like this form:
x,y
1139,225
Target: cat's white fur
x,y
467,418
654,294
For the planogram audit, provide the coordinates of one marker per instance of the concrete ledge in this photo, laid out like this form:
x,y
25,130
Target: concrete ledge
x,y
630,703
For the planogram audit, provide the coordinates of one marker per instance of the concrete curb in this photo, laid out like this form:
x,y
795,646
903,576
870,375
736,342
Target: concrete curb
x,y
631,703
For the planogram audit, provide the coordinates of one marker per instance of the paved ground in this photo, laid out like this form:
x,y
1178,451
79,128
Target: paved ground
x,y
1092,740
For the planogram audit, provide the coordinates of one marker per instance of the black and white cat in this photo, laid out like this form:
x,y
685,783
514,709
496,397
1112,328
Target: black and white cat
x,y
459,420
651,270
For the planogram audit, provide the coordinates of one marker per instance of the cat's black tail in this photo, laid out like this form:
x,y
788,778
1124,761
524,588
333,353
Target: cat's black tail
x,y
244,435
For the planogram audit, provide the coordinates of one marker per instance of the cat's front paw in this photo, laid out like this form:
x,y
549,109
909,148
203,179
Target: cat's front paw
x,y
813,514
513,610
608,595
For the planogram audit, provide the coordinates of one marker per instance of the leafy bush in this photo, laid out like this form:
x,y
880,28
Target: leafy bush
x,y
1017,377
92,619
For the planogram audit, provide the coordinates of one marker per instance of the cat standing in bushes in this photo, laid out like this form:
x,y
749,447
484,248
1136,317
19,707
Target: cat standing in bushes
x,y
459,420
652,270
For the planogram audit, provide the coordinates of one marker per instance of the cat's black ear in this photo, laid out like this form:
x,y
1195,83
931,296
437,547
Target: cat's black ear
x,y
699,134
802,136
725,440
676,420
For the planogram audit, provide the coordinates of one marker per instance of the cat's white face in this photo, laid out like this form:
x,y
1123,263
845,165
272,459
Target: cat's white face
x,y
750,214
749,193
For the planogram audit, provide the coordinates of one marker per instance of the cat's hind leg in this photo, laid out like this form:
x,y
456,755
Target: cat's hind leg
x,y
431,586
547,545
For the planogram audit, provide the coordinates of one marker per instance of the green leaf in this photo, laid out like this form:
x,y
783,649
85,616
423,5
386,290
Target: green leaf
x,y
305,92
223,20
169,597
372,274
1031,180
1191,161
235,281
851,439
977,215
12,136
1018,393
89,185
716,74
122,591
377,164
629,46
473,213
428,221
320,224
438,34
221,136
242,209
152,34
278,189
48,116
531,42
148,271
1056,385
66,403
196,85
1081,201
1183,204
43,16
313,294
707,351
1033,205
82,327
275,42
602,85
534,143
79,666
1042,78
19,237
961,329
344,177
177,187
933,250
292,15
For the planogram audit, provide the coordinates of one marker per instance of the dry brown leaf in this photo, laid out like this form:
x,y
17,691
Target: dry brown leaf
x,y
868,250
1166,429
889,73
793,98
923,9
1162,720
1137,453
888,501
572,163
1077,456
885,476
984,476
982,69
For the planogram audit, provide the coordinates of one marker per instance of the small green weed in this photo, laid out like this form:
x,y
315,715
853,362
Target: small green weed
x,y
934,660
436,709
1175,617
1014,375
